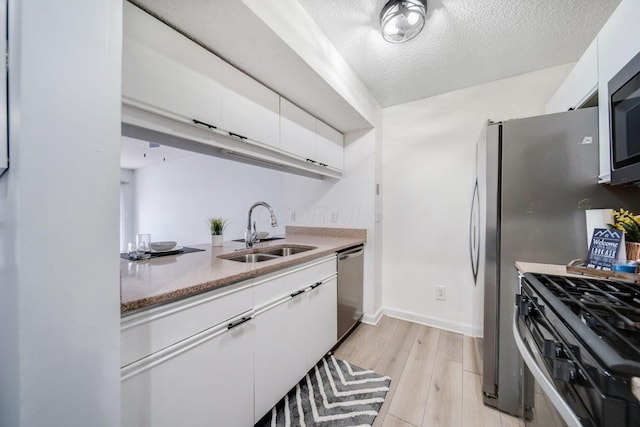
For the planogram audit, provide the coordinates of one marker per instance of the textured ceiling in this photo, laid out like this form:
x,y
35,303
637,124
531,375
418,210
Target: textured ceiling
x,y
464,43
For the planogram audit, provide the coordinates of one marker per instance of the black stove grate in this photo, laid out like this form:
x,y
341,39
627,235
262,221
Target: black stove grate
x,y
610,308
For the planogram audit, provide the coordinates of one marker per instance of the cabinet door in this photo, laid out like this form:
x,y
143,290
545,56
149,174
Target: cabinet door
x,y
321,320
204,380
279,352
250,109
297,131
329,146
167,86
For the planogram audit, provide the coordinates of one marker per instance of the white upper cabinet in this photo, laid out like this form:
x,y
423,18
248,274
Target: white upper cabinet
x,y
305,136
297,131
580,85
329,146
167,76
618,42
165,72
250,109
156,81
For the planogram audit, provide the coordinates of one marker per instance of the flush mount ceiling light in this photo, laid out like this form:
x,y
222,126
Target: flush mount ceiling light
x,y
402,20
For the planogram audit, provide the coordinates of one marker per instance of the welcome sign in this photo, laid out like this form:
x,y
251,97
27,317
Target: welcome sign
x,y
604,248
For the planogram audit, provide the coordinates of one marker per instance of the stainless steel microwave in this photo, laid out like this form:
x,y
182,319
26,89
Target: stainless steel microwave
x,y
624,123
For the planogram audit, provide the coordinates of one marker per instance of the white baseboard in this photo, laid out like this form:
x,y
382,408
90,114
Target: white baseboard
x,y
462,328
372,319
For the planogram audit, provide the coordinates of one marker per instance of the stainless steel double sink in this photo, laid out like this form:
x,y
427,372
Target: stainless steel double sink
x,y
266,254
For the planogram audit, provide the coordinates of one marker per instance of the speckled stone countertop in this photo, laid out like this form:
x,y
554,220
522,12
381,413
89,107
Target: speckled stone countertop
x,y
146,283
534,267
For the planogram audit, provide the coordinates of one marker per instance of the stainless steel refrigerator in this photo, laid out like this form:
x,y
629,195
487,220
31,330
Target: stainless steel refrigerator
x,y
535,178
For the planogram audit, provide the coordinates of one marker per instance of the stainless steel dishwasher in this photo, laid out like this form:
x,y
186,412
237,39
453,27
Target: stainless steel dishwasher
x,y
350,271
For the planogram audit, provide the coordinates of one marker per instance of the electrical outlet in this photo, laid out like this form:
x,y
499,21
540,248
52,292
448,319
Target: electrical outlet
x,y
441,293
293,215
334,217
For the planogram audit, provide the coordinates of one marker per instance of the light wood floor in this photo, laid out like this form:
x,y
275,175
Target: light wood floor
x,y
435,375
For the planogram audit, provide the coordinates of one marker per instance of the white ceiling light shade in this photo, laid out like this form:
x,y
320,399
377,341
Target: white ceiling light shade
x,y
402,20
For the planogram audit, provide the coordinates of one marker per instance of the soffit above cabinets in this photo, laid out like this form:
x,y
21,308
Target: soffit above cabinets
x,y
464,43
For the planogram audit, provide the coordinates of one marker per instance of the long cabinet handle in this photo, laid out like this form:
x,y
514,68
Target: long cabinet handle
x,y
237,135
238,322
296,293
198,122
315,285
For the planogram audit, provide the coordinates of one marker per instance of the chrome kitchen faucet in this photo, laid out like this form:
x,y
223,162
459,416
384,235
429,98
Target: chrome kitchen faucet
x,y
249,236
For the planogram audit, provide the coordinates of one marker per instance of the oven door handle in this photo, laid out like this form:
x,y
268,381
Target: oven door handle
x,y
554,397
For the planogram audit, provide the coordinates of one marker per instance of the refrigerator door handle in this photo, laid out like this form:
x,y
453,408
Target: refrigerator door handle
x,y
474,233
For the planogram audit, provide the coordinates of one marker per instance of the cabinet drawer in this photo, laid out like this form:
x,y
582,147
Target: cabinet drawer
x,y
204,380
152,330
277,285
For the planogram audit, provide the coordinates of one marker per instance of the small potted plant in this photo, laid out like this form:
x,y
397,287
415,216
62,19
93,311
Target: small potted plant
x,y
630,224
217,226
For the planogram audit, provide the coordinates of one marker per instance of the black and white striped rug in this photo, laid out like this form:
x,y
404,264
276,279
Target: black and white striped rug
x,y
333,393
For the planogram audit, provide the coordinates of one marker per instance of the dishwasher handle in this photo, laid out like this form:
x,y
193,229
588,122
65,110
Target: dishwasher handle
x,y
351,253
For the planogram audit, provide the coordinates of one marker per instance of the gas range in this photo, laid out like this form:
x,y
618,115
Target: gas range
x,y
586,334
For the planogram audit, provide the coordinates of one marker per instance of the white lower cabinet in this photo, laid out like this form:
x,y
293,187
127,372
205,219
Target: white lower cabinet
x,y
321,326
179,371
294,328
204,380
279,344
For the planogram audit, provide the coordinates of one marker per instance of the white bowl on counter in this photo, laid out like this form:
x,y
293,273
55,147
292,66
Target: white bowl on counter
x,y
162,246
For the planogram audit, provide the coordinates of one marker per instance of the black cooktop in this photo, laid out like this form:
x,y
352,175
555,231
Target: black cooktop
x,y
605,314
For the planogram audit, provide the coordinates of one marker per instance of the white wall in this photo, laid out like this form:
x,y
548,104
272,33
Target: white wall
x,y
352,199
428,161
174,199
59,293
